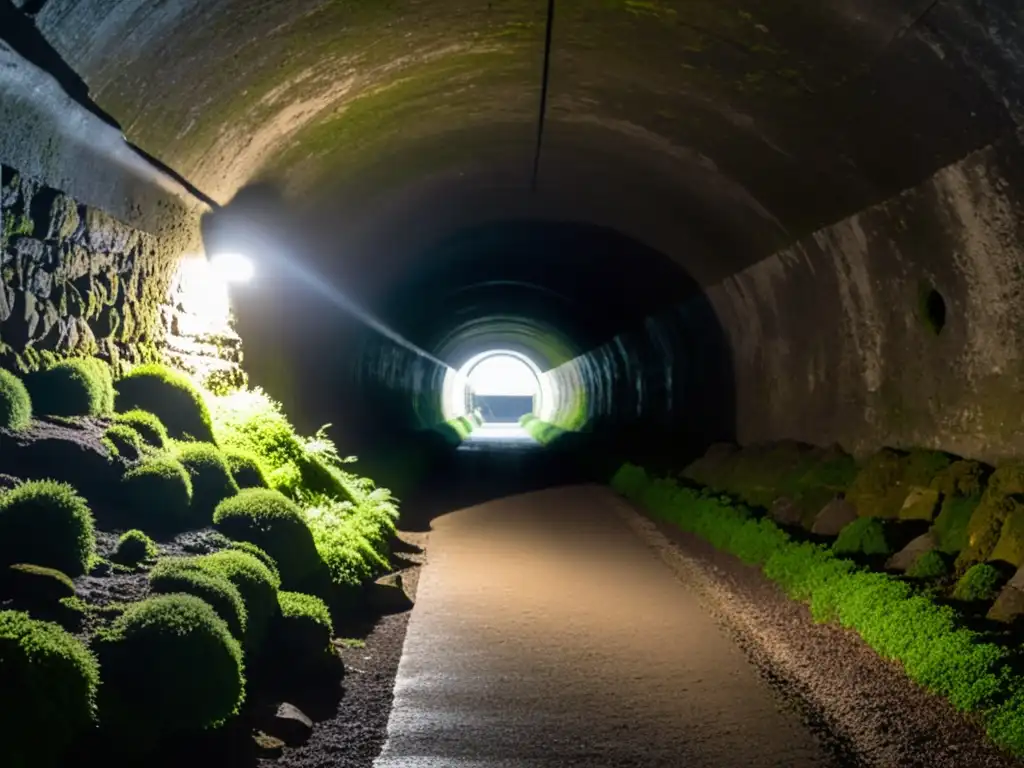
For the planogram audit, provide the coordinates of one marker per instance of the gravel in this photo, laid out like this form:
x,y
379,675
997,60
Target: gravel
x,y
862,707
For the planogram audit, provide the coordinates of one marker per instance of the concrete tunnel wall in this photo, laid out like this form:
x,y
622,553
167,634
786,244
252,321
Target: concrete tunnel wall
x,y
814,173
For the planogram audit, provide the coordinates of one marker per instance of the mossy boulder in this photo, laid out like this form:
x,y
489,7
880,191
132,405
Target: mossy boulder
x,y
147,425
184,575
211,477
302,634
275,524
930,566
962,479
157,497
33,585
134,547
246,468
950,527
1009,548
884,481
985,527
73,387
255,583
981,583
170,396
15,403
50,680
259,554
170,667
123,442
907,558
47,524
865,536
921,504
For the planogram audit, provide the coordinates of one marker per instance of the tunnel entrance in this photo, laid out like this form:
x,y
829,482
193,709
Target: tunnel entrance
x,y
502,388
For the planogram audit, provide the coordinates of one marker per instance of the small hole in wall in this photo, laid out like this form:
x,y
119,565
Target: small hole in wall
x,y
931,308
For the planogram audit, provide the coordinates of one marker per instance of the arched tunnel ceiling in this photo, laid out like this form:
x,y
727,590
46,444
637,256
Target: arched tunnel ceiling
x,y
712,130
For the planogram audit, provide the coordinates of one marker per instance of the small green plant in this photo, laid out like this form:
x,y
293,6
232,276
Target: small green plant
x,y
211,478
259,554
246,469
981,583
184,575
53,679
72,387
866,536
157,495
48,524
931,566
149,427
174,653
275,524
134,547
257,586
123,442
15,403
170,396
302,632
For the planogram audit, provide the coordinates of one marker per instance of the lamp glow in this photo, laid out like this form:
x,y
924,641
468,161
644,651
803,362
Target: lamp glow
x,y
232,267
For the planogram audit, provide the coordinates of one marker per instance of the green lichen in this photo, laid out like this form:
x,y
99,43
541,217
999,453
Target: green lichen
x,y
1010,547
950,528
883,483
985,528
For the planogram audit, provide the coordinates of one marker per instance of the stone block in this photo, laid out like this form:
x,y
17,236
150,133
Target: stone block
x,y
909,555
834,516
921,504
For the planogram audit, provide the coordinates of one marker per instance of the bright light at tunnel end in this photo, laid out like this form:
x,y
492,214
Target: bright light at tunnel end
x,y
232,267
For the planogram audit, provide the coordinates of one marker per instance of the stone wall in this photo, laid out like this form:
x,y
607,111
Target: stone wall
x,y
75,280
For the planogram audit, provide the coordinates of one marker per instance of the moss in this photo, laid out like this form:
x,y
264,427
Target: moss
x,y
157,496
259,554
123,441
175,654
885,480
73,387
51,680
134,547
1010,546
964,478
246,468
302,634
866,536
212,481
981,583
15,403
255,583
275,524
1006,480
171,397
149,427
32,585
48,524
931,566
183,575
950,528
921,504
984,528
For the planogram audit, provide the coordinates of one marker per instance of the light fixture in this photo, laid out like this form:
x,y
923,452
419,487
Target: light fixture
x,y
232,267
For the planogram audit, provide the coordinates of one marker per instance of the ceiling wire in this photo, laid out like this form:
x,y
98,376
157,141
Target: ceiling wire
x,y
543,95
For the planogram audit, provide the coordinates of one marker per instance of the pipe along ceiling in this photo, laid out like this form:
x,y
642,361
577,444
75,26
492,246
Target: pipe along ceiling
x,y
388,151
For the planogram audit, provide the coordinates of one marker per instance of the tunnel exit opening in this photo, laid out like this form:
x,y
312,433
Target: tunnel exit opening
x,y
502,388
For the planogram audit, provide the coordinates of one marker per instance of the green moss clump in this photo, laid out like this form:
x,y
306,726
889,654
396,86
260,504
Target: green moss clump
x,y
950,527
246,469
134,547
46,523
50,680
15,403
866,536
981,583
148,426
1007,479
1010,546
73,387
157,496
931,566
170,396
170,666
34,585
352,539
211,478
104,378
886,478
259,554
123,442
963,479
257,586
275,524
183,575
302,633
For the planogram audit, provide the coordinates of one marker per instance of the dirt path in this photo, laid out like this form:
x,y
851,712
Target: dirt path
x,y
547,633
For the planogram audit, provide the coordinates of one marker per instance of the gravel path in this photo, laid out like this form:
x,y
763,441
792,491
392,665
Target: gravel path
x,y
864,707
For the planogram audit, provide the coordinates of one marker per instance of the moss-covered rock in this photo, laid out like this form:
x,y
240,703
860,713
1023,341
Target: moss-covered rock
x,y
211,477
930,566
886,478
47,524
866,536
186,576
33,585
133,548
1010,546
246,468
302,634
275,524
170,666
169,395
979,584
123,442
157,496
985,527
147,425
259,554
257,586
921,504
73,387
50,680
15,403
962,479
950,527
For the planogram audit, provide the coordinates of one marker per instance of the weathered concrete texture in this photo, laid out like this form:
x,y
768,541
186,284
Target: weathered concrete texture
x,y
75,280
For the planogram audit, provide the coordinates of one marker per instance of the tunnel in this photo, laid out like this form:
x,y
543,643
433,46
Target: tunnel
x,y
422,268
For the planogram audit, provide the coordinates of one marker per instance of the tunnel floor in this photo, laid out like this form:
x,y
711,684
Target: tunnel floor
x,y
547,634
498,436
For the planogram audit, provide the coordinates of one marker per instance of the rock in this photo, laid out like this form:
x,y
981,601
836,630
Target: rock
x,y
834,516
1009,606
387,595
288,724
907,556
921,504
31,586
785,512
267,746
